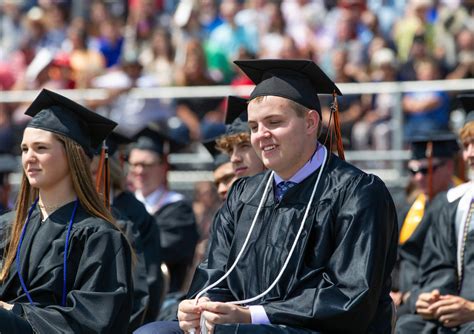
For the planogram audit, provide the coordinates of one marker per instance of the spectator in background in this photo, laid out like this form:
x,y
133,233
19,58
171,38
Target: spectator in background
x,y
465,55
414,22
158,58
350,106
132,113
85,63
110,42
271,39
374,129
426,111
229,37
201,116
56,19
11,27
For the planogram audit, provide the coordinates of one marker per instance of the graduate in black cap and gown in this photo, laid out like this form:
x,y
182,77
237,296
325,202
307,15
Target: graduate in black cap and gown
x,y
316,258
143,223
445,301
67,266
172,212
236,140
432,166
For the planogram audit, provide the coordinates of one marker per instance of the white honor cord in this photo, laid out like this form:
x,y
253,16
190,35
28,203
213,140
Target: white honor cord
x,y
249,300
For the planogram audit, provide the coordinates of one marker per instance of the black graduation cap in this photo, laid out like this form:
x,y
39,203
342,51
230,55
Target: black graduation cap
x,y
219,158
56,113
236,115
157,138
8,164
114,141
444,145
467,102
298,80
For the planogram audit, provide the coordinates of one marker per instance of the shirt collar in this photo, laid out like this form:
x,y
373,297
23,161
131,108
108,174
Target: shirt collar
x,y
150,200
312,165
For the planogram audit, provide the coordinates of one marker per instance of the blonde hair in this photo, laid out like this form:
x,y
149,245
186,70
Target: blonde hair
x,y
79,165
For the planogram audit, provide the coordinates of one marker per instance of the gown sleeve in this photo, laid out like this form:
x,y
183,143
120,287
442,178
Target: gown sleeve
x,y
100,298
438,261
347,291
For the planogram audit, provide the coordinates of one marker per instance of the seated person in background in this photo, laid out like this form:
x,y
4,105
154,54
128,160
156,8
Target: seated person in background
x,y
316,258
445,301
236,140
172,212
432,166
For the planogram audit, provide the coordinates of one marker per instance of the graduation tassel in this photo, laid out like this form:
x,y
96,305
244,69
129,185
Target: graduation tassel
x,y
429,155
102,180
337,127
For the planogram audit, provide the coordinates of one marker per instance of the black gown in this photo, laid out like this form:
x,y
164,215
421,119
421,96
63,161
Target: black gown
x,y
99,283
149,234
438,268
338,280
410,252
179,237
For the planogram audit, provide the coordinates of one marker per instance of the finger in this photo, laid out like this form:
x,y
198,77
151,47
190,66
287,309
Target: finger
x,y
188,316
439,304
217,307
215,318
422,304
210,327
188,325
188,306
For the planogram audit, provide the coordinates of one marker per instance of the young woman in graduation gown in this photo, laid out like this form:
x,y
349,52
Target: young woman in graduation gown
x,y
68,267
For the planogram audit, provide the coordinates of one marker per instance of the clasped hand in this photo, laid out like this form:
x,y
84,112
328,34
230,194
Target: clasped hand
x,y
189,314
449,310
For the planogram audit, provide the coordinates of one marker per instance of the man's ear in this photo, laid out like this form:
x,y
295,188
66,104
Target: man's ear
x,y
312,121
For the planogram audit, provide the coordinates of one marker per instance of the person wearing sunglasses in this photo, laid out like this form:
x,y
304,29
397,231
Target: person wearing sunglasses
x,y
443,301
432,169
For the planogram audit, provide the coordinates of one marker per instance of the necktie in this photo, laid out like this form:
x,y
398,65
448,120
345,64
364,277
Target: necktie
x,y
282,188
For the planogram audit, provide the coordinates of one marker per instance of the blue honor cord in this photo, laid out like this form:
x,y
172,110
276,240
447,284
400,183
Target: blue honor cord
x,y
18,264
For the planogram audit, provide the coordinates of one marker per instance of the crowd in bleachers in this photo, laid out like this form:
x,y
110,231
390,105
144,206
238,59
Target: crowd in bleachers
x,y
118,45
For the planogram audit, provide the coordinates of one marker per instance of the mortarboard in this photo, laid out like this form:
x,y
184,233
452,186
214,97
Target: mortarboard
x,y
444,145
114,141
467,102
296,80
56,113
157,138
8,164
236,116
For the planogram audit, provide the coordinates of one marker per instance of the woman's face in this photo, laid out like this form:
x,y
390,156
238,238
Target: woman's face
x,y
44,159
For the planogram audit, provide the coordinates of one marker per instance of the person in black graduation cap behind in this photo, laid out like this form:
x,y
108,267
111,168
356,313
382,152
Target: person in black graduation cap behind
x,y
67,267
317,258
8,165
445,301
172,212
236,140
432,165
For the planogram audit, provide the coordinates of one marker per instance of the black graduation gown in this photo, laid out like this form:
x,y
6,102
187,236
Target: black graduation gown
x,y
410,251
438,262
149,234
339,277
438,267
99,283
139,277
179,237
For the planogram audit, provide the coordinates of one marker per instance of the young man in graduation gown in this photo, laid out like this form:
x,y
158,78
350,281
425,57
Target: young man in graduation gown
x,y
332,235
432,167
171,211
445,302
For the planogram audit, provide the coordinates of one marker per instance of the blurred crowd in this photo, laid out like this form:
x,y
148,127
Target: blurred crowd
x,y
119,45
